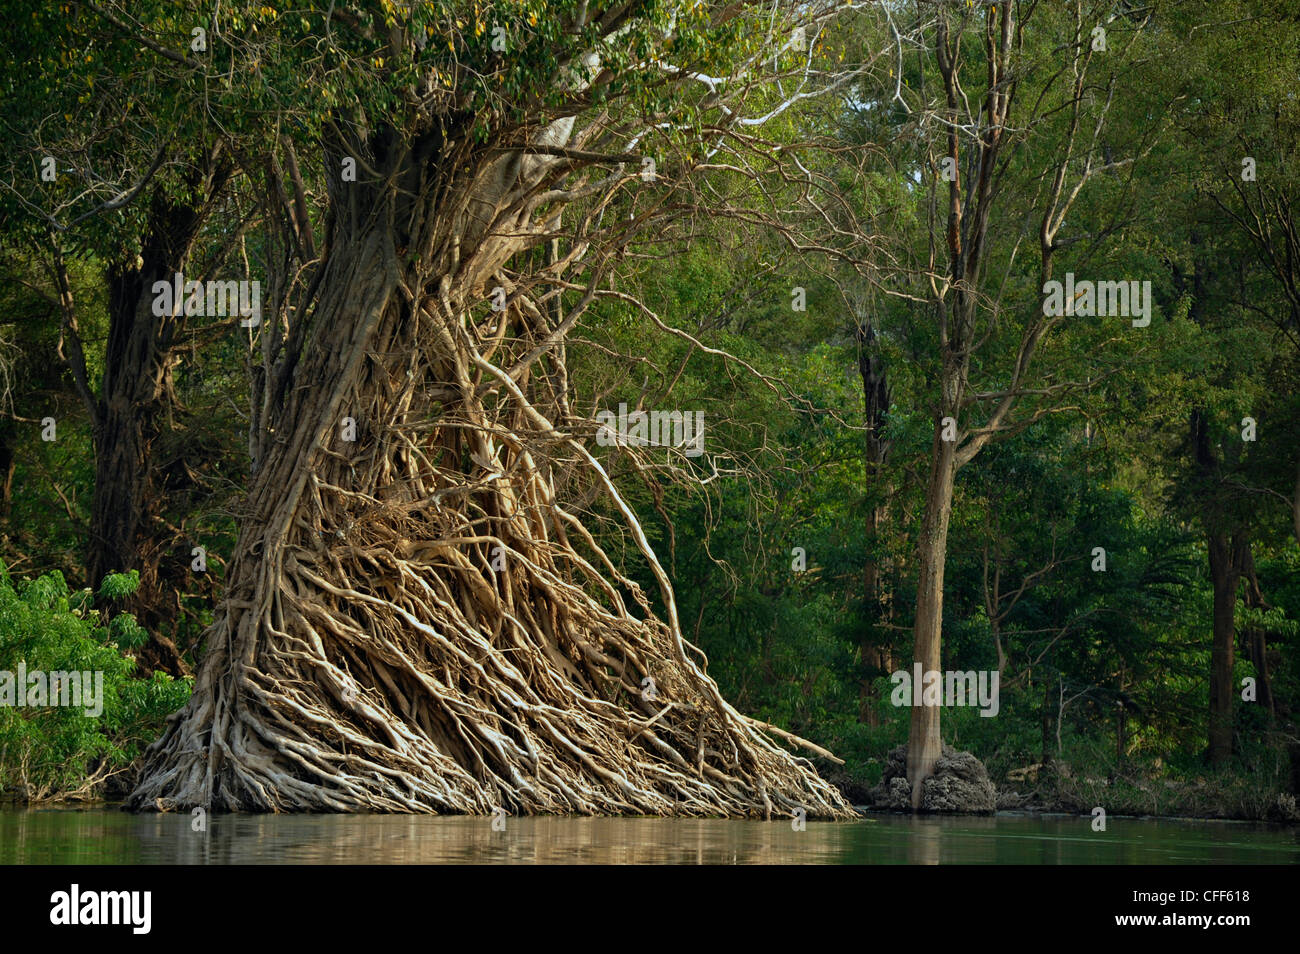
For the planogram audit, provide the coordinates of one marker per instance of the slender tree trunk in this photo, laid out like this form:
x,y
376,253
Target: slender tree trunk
x,y
1121,733
8,462
1224,550
1295,504
925,744
124,502
1225,574
1258,643
124,424
875,653
1257,637
1051,700
876,662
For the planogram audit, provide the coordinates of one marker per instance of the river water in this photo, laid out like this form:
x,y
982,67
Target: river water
x,y
108,836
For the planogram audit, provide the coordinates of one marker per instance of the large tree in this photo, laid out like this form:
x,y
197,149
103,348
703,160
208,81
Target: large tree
x,y
417,616
1244,286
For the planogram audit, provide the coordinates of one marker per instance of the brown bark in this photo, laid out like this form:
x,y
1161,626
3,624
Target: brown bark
x,y
1256,636
134,400
1225,574
133,405
875,653
372,652
8,464
1228,549
1226,545
1050,703
1295,503
1121,733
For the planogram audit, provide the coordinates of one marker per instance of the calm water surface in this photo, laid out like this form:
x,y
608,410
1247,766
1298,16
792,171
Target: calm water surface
x,y
107,836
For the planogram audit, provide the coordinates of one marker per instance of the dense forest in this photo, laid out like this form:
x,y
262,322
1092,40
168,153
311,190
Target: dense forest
x,y
625,407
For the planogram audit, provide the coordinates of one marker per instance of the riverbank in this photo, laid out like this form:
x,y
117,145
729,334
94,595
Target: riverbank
x,y
1139,792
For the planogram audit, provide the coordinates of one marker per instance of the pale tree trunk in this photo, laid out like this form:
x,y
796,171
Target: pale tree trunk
x,y
414,621
925,743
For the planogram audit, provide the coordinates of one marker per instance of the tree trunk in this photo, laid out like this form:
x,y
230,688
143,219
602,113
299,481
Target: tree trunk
x,y
876,662
1121,734
925,744
8,463
414,621
874,651
128,417
134,398
122,532
1224,549
1051,700
1256,636
1225,573
1295,504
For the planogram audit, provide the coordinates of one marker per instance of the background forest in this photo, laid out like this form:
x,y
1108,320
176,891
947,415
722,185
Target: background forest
x,y
1123,545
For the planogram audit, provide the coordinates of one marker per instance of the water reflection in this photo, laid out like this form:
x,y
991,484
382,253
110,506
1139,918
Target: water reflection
x,y
113,837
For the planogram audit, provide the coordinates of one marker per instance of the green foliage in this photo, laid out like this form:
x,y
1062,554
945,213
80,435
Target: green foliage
x,y
50,751
790,469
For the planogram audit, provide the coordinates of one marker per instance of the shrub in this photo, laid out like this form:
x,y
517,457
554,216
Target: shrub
x,y
59,752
